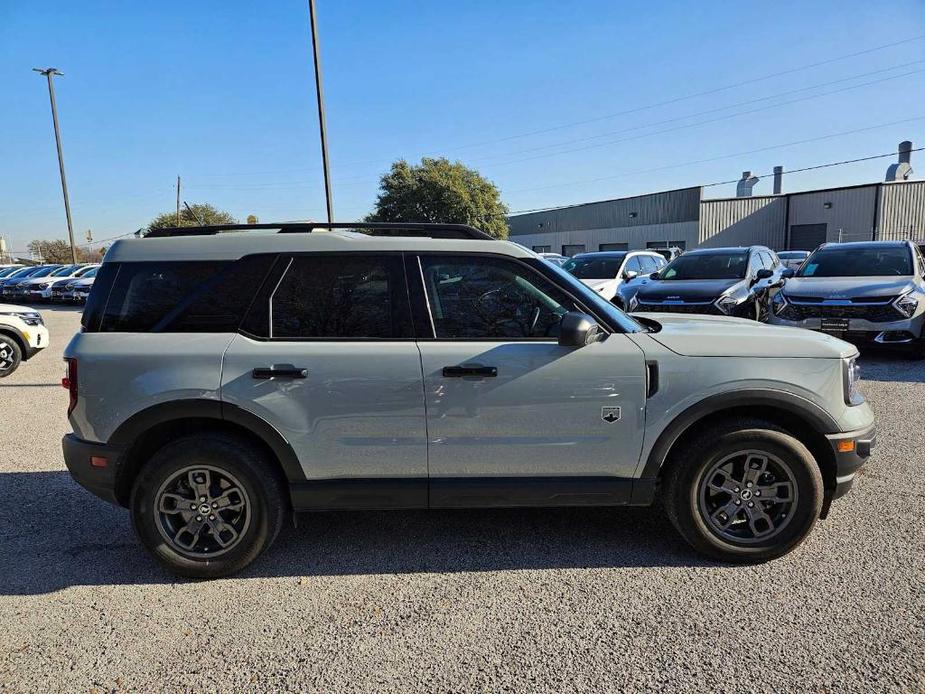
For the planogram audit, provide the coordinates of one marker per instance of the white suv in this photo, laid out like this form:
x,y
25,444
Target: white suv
x,y
223,380
22,335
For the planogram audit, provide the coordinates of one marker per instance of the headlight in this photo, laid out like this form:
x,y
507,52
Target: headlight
x,y
778,303
30,318
727,304
907,304
852,371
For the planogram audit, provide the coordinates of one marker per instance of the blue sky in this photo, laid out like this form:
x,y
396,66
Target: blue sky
x,y
222,94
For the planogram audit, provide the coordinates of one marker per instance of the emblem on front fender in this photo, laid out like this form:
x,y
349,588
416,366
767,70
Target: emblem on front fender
x,y
611,414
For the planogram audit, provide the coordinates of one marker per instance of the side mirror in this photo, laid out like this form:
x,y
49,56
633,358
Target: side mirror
x,y
630,275
653,276
578,329
787,273
764,274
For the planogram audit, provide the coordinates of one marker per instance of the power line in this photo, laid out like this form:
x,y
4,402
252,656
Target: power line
x,y
698,123
674,100
736,180
724,156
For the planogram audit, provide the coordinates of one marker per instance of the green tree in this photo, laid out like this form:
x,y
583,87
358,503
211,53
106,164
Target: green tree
x,y
438,190
201,211
51,251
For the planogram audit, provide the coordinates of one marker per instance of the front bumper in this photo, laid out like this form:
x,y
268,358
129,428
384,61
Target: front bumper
x,y
84,460
851,449
892,333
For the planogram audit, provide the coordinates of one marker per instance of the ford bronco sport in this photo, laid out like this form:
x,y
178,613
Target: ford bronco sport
x,y
225,378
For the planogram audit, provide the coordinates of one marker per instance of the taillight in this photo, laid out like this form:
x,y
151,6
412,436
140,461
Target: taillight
x,y
70,382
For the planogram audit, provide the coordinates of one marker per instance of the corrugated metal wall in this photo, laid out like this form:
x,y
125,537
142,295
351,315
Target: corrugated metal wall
x,y
902,211
635,237
744,222
852,211
658,208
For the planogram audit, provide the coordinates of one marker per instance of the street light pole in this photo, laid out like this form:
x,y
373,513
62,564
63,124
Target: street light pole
x,y
49,73
329,202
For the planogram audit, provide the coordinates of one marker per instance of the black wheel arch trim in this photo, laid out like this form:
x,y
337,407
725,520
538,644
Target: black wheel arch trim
x,y
820,420
135,426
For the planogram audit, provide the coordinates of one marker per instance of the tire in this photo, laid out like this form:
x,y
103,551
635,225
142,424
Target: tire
x,y
774,525
10,355
239,477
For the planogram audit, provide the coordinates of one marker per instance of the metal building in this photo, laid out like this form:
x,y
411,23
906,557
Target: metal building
x,y
894,209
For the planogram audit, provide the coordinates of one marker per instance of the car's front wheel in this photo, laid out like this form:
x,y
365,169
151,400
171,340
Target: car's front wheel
x,y
744,491
10,355
207,505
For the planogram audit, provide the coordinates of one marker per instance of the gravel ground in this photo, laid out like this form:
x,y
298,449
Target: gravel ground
x,y
606,599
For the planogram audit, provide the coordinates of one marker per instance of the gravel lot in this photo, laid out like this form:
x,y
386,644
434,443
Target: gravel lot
x,y
605,599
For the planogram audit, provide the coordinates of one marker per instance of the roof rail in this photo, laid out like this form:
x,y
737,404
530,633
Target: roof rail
x,y
423,229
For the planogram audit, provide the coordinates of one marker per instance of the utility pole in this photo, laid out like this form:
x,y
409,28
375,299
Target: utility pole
x,y
316,51
49,73
178,200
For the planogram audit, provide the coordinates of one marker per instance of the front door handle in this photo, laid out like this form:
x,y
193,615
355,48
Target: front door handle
x,y
280,371
470,370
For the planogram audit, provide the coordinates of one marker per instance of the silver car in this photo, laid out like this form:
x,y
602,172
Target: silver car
x,y
224,380
869,292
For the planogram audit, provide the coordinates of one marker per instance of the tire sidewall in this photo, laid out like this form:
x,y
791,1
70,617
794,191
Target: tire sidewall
x,y
244,465
804,515
17,355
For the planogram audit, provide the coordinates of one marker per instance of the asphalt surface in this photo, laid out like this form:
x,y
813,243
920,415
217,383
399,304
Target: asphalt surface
x,y
607,599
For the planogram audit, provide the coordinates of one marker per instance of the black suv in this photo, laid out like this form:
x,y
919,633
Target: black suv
x,y
721,281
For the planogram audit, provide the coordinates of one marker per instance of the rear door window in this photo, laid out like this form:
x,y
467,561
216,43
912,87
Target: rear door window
x,y
341,297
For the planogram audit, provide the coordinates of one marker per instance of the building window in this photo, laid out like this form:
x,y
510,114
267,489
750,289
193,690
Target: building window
x,y
543,249
573,249
613,247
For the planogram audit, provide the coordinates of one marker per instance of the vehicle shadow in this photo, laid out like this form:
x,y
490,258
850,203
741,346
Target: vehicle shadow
x,y
892,366
54,534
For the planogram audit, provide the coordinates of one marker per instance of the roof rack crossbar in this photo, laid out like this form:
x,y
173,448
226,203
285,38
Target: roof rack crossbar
x,y
423,229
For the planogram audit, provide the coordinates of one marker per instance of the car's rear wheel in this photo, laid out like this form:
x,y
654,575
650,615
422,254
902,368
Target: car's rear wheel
x,y
207,505
10,355
744,491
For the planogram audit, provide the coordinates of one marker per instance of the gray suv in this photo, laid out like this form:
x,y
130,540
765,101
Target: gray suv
x,y
869,292
224,380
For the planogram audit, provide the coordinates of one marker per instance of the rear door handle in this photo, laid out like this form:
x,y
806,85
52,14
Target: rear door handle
x,y
280,371
470,370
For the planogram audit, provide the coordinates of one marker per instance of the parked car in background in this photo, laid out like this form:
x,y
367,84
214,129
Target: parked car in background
x,y
45,289
669,253
22,335
720,281
37,289
867,292
554,258
9,286
223,380
76,291
607,271
7,270
66,290
792,259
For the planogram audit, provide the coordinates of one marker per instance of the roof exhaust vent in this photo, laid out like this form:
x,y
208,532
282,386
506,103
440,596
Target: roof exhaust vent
x,y
778,179
745,185
902,169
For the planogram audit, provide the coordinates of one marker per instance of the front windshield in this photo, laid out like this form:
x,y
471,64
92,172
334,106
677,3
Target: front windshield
x,y
42,272
854,261
7,271
24,272
594,267
792,255
64,271
594,300
707,266
89,273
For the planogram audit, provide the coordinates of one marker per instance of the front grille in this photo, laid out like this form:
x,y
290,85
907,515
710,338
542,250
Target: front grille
x,y
679,308
881,312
